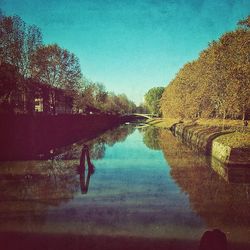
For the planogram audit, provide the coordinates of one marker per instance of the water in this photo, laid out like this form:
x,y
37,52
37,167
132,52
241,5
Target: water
x,y
146,184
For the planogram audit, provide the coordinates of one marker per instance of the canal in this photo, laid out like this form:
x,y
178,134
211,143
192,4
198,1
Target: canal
x,y
146,190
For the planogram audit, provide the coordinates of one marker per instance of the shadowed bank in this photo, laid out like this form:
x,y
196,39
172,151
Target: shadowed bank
x,y
34,136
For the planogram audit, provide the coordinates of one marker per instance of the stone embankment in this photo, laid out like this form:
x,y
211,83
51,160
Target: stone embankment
x,y
210,140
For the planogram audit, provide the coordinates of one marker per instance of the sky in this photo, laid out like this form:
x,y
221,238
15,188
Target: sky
x,y
131,45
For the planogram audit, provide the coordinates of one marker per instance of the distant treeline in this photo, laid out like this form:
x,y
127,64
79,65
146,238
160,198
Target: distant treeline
x,y
35,76
217,83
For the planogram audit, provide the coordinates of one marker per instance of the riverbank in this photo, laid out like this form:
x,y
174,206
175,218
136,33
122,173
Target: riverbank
x,y
34,136
227,141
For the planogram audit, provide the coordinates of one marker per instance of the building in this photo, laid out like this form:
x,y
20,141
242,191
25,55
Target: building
x,y
50,100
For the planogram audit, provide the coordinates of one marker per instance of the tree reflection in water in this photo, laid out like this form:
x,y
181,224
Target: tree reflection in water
x,y
220,203
96,146
29,189
151,137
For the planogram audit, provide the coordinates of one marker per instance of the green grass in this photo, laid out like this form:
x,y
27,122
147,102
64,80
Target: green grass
x,y
168,122
161,122
235,140
220,122
238,139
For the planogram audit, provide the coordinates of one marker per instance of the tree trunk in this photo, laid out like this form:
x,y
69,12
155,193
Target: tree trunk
x,y
53,102
224,117
243,113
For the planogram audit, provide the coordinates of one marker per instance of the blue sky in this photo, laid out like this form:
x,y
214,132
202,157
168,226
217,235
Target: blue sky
x,y
131,46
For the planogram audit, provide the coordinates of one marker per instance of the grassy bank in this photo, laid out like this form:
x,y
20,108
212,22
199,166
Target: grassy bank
x,y
226,140
168,122
26,136
239,138
161,122
236,139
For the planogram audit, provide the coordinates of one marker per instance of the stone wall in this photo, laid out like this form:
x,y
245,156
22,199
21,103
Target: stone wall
x,y
203,138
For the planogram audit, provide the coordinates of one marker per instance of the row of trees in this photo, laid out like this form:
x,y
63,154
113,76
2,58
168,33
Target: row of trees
x,y
95,95
217,83
24,59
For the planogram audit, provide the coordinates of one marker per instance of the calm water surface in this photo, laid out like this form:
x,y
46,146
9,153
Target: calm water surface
x,y
146,183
